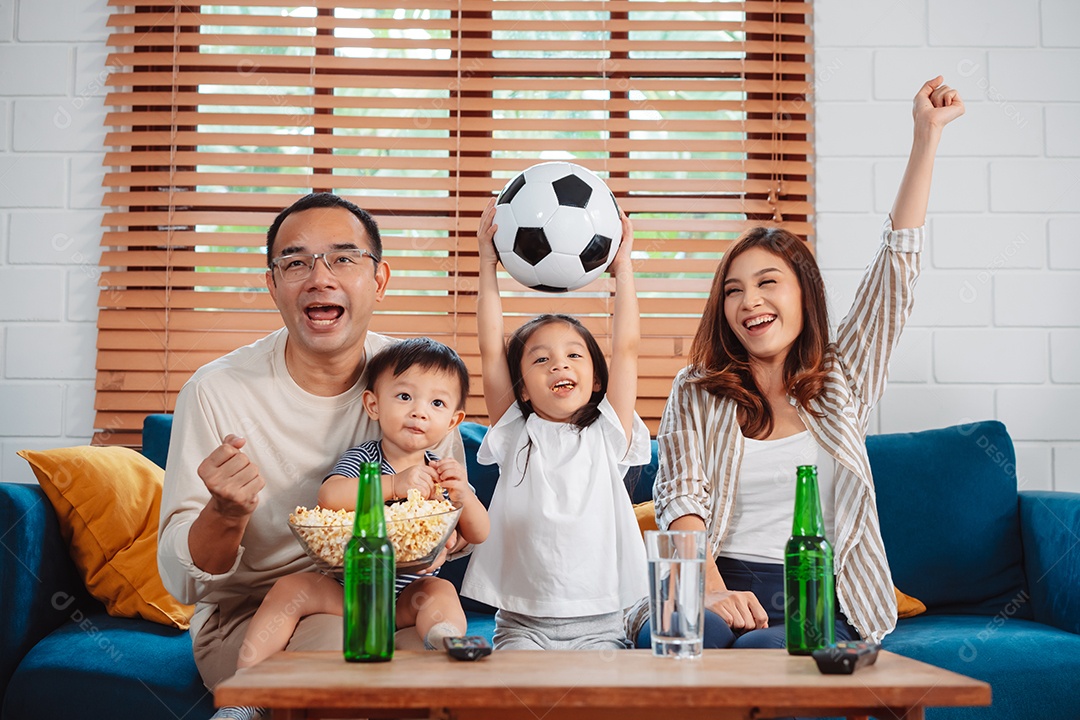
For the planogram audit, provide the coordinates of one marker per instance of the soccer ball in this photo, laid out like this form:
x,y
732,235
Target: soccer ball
x,y
558,227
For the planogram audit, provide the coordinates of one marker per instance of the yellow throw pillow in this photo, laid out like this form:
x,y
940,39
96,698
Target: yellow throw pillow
x,y
906,606
107,500
646,516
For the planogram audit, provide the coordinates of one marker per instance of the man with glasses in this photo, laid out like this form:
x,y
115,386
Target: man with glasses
x,y
256,431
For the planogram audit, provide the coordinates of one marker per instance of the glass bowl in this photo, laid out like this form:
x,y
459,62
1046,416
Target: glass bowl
x,y
417,541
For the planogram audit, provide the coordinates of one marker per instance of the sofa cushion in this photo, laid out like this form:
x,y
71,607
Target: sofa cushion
x,y
99,667
907,606
1049,522
156,433
947,501
640,481
36,575
107,501
483,479
645,512
481,623
1027,664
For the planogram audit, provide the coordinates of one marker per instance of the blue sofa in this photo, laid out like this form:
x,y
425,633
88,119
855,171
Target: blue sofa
x,y
998,570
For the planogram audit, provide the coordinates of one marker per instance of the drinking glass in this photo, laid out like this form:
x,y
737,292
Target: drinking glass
x,y
676,591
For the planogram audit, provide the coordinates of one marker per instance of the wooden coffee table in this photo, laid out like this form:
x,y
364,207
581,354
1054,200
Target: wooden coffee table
x,y
586,685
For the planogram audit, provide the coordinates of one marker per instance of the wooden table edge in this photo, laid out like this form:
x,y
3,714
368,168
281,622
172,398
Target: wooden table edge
x,y
627,702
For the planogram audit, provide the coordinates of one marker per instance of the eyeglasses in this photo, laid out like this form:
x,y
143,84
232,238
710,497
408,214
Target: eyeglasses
x,y
341,263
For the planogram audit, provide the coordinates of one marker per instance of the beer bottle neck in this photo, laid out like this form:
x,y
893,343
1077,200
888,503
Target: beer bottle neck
x,y
808,520
369,520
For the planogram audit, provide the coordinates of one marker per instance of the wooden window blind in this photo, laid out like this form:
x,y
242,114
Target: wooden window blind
x,y
696,114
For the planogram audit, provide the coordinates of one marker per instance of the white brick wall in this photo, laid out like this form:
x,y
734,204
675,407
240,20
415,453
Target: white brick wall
x,y
52,60
872,23
63,20
988,355
7,19
1042,413
1024,299
63,347
1065,243
843,185
1035,466
959,183
1065,356
981,24
39,408
27,295
996,328
1035,186
893,69
909,407
43,69
1066,461
1012,239
54,237
43,124
1060,18
1035,75
1062,140
31,180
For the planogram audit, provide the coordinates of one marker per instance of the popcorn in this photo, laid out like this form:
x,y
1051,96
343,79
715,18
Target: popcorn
x,y
411,529
409,524
326,532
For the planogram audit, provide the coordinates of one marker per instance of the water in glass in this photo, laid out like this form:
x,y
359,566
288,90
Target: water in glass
x,y
676,592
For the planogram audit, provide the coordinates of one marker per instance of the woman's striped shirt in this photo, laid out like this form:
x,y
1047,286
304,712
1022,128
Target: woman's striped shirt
x,y
701,443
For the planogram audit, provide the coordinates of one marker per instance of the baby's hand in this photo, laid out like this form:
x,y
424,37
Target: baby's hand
x,y
421,477
453,478
485,234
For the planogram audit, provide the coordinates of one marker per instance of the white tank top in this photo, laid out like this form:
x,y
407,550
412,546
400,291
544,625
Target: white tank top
x,y
765,503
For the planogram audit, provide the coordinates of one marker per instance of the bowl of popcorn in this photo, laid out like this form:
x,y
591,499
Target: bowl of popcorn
x,y
418,529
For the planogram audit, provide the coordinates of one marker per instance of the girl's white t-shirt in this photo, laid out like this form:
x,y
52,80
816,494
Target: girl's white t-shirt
x,y
564,541
765,499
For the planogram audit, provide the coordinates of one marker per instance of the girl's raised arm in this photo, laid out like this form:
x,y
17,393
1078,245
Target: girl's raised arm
x,y
626,333
498,390
935,106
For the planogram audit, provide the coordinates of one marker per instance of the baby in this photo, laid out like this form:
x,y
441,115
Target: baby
x,y
416,391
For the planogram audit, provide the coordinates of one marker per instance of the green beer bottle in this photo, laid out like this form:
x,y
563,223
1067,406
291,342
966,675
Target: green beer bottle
x,y
369,576
809,586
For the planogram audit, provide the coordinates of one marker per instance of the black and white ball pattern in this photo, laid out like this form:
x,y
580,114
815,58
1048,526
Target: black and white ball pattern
x,y
558,227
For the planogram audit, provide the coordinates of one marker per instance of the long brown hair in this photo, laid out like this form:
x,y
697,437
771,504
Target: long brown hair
x,y
721,364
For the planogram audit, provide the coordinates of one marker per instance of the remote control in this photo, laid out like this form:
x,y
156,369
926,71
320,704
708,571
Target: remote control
x,y
469,647
844,658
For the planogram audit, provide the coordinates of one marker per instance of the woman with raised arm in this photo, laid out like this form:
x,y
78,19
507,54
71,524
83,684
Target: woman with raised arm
x,y
767,390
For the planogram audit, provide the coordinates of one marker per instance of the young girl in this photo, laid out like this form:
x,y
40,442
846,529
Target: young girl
x,y
567,558
766,390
